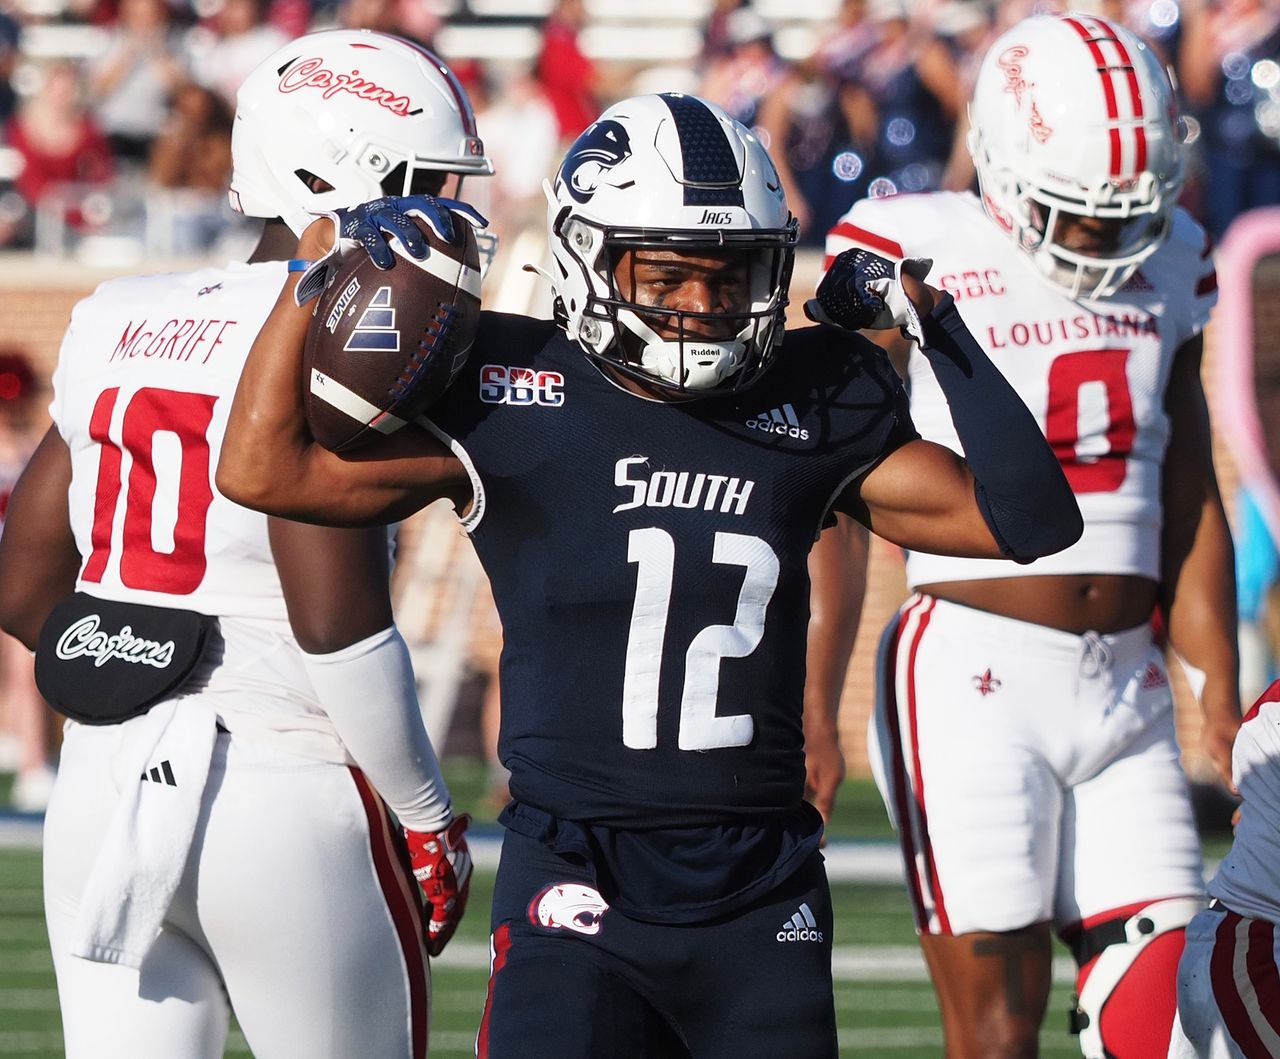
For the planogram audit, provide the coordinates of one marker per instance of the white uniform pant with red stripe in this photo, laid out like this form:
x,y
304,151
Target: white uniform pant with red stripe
x,y
1032,774
1228,989
293,908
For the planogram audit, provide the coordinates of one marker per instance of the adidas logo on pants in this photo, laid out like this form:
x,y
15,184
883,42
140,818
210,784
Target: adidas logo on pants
x,y
800,927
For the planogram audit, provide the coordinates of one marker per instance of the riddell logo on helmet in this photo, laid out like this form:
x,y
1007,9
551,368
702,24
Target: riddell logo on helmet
x,y
312,73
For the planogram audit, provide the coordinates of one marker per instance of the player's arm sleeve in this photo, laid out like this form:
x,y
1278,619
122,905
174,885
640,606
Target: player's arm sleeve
x,y
1018,483
335,589
369,692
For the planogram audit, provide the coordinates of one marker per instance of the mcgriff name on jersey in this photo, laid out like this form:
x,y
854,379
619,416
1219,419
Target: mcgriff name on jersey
x,y
173,340
687,489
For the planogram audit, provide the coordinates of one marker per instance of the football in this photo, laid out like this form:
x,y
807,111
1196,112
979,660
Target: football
x,y
382,345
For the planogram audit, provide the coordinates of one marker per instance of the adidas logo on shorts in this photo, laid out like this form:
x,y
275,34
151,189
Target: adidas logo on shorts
x,y
800,927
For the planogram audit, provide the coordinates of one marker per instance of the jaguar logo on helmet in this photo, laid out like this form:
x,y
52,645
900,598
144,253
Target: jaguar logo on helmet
x,y
569,906
603,146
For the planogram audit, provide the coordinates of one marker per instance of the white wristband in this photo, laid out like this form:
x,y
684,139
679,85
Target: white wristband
x,y
369,692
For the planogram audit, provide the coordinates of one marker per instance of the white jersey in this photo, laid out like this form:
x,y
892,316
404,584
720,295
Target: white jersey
x,y
142,391
1093,373
1248,880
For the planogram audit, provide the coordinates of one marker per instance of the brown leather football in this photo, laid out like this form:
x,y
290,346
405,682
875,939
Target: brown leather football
x,y
385,344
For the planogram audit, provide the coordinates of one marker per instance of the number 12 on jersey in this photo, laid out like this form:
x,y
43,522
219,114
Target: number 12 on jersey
x,y
653,551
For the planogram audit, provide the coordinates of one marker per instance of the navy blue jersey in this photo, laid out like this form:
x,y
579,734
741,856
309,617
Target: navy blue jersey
x,y
649,564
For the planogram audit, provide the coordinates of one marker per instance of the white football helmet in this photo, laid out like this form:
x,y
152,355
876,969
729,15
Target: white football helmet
x,y
367,113
1074,115
669,172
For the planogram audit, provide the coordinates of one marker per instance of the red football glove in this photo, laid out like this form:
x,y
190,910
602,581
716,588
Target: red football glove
x,y
442,865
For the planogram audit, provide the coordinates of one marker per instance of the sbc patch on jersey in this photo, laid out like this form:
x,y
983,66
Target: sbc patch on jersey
x,y
500,384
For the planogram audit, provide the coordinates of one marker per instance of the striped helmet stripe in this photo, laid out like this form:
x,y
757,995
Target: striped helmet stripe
x,y
711,174
1095,34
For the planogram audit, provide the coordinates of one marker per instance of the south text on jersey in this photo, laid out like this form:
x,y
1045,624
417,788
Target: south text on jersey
x,y
687,489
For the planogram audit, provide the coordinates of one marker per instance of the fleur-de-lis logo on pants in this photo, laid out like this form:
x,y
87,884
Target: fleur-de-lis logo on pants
x,y
986,683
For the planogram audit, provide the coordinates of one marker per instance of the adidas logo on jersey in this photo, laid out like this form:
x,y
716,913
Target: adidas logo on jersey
x,y
800,927
782,420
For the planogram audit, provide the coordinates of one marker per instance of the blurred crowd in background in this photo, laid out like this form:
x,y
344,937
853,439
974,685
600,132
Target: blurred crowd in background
x,y
115,121
116,114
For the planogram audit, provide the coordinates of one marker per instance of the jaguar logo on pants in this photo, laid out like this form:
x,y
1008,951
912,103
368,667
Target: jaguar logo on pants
x,y
569,906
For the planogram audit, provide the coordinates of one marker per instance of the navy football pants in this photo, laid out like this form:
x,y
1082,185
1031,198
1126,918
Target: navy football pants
x,y
573,979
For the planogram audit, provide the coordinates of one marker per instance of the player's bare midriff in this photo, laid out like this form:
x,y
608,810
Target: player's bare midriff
x,y
1076,603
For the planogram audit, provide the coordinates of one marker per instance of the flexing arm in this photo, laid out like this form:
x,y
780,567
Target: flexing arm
x,y
1198,590
39,561
271,463
838,579
1008,497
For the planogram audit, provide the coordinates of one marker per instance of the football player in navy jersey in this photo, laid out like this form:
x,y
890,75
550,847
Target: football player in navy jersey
x,y
643,478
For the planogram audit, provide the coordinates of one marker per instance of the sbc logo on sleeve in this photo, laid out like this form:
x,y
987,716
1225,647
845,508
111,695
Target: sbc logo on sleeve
x,y
500,384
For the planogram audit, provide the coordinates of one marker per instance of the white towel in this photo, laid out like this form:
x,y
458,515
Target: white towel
x,y
161,766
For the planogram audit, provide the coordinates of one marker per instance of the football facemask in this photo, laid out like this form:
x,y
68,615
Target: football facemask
x,y
671,175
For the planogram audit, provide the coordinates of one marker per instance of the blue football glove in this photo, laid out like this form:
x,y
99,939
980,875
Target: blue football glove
x,y
862,291
371,225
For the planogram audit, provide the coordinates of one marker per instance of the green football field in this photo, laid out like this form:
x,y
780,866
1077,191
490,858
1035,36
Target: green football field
x,y
884,1002
882,1012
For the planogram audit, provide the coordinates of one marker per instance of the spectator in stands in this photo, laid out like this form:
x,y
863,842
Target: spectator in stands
x,y
404,18
717,43
749,71
194,148
820,138
191,161
58,141
569,79
967,27
911,85
238,39
520,133
134,79
10,33
1223,46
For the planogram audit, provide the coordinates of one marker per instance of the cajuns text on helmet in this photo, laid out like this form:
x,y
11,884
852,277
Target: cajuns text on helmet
x,y
341,117
670,172
1073,116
